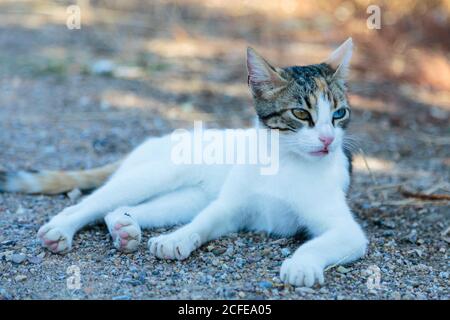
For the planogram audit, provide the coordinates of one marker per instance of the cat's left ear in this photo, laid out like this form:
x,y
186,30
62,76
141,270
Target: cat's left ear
x,y
339,60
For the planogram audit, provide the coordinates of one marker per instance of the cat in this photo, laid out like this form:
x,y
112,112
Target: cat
x,y
309,107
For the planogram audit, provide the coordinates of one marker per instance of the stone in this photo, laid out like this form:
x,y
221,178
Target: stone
x,y
103,67
303,290
18,258
4,295
285,252
218,251
35,260
342,269
266,284
20,278
74,195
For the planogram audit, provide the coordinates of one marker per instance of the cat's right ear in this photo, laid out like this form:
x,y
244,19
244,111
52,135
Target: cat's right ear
x,y
263,79
339,60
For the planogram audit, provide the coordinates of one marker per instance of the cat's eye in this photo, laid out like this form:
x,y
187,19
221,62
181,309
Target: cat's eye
x,y
301,114
339,114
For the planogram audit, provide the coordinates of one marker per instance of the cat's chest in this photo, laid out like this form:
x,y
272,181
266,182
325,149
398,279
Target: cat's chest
x,y
295,184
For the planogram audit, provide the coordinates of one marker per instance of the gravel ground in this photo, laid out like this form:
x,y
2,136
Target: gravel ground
x,y
58,110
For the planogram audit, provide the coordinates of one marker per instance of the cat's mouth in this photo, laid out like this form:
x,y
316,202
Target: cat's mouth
x,y
320,153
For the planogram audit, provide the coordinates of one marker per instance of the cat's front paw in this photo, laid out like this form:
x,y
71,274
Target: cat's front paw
x,y
176,245
301,271
55,238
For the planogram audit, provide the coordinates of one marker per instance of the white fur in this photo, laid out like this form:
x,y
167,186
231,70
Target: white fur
x,y
149,191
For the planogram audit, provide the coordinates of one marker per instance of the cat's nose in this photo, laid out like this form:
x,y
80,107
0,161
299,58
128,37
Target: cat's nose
x,y
326,140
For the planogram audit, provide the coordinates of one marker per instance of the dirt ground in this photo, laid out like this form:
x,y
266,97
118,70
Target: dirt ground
x,y
74,99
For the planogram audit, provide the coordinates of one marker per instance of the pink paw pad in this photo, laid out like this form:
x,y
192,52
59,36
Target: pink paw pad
x,y
123,234
126,234
54,240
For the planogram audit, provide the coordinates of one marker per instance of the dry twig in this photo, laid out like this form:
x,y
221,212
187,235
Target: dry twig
x,y
423,196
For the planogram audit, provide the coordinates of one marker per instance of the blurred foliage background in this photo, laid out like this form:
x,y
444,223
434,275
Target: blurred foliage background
x,y
150,66
192,36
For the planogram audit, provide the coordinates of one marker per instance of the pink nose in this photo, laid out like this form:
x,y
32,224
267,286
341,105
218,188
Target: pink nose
x,y
326,140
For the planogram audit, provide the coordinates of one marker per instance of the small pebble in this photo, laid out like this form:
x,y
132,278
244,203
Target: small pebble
x,y
20,210
229,251
4,295
229,293
303,290
366,205
8,243
285,252
388,224
35,260
74,195
396,295
20,277
41,255
18,258
412,236
323,290
388,233
342,269
218,251
266,284
135,282
103,67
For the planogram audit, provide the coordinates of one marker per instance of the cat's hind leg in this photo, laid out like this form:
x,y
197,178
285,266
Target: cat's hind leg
x,y
124,229
126,189
177,207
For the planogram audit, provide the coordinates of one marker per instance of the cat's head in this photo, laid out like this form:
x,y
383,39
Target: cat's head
x,y
308,104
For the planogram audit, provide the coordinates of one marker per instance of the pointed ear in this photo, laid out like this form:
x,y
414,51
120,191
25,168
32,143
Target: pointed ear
x,y
263,79
339,60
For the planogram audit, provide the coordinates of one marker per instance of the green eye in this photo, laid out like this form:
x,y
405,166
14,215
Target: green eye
x,y
301,114
339,114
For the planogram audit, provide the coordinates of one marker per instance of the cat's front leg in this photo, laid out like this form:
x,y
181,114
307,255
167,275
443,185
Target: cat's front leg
x,y
342,242
217,219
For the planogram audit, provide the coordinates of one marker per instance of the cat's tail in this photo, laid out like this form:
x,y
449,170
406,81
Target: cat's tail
x,y
54,182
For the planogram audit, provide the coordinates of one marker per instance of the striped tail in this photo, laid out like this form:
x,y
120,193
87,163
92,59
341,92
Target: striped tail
x,y
54,182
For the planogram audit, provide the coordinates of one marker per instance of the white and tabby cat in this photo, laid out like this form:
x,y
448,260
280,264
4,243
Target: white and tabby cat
x,y
307,104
